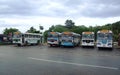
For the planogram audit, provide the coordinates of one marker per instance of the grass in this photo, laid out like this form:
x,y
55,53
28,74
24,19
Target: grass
x,y
5,43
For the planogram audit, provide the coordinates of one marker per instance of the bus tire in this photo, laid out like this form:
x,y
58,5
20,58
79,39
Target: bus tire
x,y
93,46
18,44
111,48
38,42
99,48
26,43
50,45
83,46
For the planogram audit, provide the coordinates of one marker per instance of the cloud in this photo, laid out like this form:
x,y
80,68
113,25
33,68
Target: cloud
x,y
27,13
58,8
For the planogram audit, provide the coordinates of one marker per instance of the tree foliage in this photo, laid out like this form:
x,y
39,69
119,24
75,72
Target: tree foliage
x,y
10,31
116,29
41,28
70,26
69,23
33,30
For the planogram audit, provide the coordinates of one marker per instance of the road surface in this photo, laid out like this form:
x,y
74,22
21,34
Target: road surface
x,y
44,60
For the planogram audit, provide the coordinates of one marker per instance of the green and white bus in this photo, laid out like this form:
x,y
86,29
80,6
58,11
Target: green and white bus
x,y
22,39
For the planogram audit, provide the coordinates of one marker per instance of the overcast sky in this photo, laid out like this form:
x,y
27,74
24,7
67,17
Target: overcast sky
x,y
23,14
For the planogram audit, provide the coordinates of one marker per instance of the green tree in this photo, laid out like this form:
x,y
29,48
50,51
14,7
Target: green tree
x,y
51,28
31,30
41,28
69,23
10,31
116,30
60,28
45,35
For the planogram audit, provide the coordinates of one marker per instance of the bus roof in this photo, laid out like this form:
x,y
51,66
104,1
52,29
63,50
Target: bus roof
x,y
17,33
70,33
104,31
33,34
53,33
87,32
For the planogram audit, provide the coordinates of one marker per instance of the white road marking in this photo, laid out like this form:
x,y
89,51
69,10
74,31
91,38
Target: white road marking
x,y
77,64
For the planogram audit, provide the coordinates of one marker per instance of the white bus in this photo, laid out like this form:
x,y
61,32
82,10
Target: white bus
x,y
88,39
27,38
104,39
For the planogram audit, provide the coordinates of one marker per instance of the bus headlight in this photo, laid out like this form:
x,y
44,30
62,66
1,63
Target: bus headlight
x,y
109,43
98,43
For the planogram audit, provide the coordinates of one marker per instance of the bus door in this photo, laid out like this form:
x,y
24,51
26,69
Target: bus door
x,y
23,38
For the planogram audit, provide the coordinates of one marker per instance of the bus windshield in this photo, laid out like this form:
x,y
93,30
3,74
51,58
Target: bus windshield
x,y
105,36
66,37
51,35
88,36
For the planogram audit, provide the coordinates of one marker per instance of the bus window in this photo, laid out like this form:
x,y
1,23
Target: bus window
x,y
26,35
90,36
30,36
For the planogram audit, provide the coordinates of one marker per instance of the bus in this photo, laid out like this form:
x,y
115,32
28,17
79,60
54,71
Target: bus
x,y
104,39
53,38
119,39
70,39
88,39
22,39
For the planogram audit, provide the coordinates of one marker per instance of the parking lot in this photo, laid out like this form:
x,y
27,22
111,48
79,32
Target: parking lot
x,y
45,60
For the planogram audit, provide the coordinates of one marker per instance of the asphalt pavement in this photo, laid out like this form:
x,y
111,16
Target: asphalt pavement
x,y
45,60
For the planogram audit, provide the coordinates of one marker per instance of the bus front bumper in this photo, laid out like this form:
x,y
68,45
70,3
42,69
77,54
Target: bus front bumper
x,y
67,44
104,46
53,43
88,44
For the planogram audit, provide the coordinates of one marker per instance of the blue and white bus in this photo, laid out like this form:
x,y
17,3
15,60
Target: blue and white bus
x,y
88,39
105,39
53,38
70,39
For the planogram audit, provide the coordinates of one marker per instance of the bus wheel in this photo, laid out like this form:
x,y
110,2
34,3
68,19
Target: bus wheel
x,y
99,48
26,43
73,46
111,48
18,44
93,46
50,45
38,42
83,46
